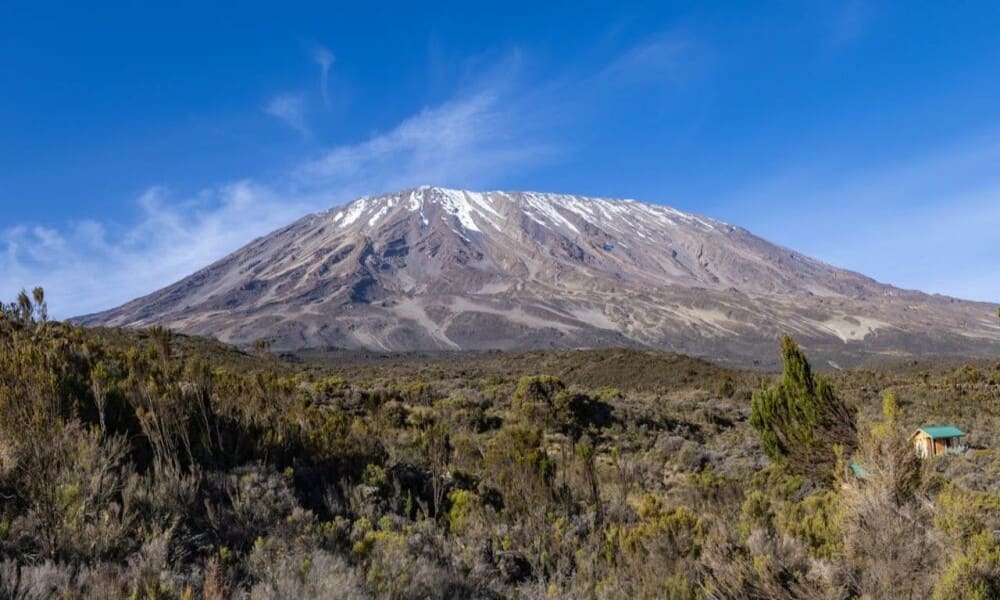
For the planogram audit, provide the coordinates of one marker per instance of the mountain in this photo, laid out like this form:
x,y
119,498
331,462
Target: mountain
x,y
440,269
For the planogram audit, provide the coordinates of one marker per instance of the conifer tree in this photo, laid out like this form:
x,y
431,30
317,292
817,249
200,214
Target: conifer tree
x,y
800,420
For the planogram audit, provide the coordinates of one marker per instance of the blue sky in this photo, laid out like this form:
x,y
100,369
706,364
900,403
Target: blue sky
x,y
141,143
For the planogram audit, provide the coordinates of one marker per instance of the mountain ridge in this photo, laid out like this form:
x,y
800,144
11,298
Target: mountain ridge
x,y
434,268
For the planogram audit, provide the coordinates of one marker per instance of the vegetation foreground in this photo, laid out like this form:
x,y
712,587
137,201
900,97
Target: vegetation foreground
x,y
150,465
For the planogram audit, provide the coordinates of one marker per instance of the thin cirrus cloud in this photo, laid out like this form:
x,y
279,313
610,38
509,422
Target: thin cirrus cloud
x,y
90,265
667,57
466,141
325,59
289,108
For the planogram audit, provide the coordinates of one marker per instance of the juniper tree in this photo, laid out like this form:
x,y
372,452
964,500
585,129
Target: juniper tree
x,y
801,420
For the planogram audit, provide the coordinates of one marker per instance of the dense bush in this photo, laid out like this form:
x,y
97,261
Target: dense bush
x,y
151,465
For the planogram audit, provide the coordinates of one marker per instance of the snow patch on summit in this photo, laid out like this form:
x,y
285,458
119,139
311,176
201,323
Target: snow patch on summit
x,y
457,204
354,212
558,212
378,215
544,207
467,207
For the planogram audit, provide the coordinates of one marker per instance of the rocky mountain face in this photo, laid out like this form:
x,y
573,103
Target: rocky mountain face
x,y
439,269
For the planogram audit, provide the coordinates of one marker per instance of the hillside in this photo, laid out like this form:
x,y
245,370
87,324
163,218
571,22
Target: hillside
x,y
433,269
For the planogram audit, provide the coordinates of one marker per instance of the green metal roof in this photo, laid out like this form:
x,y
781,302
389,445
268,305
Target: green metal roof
x,y
942,431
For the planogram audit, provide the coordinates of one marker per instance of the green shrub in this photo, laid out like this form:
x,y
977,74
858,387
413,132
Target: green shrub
x,y
537,389
973,574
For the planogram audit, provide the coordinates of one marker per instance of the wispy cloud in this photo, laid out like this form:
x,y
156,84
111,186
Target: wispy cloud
x,y
89,265
667,57
467,141
325,59
290,109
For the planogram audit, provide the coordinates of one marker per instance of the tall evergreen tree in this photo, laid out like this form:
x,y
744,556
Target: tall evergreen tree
x,y
801,420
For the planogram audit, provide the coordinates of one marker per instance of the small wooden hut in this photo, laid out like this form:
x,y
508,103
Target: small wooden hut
x,y
935,440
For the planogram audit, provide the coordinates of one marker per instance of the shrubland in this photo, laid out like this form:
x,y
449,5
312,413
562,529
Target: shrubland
x,y
144,464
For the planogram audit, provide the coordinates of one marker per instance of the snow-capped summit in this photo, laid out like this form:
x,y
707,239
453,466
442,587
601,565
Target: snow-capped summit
x,y
434,268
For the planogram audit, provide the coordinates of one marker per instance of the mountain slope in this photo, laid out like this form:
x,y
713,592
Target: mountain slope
x,y
439,269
